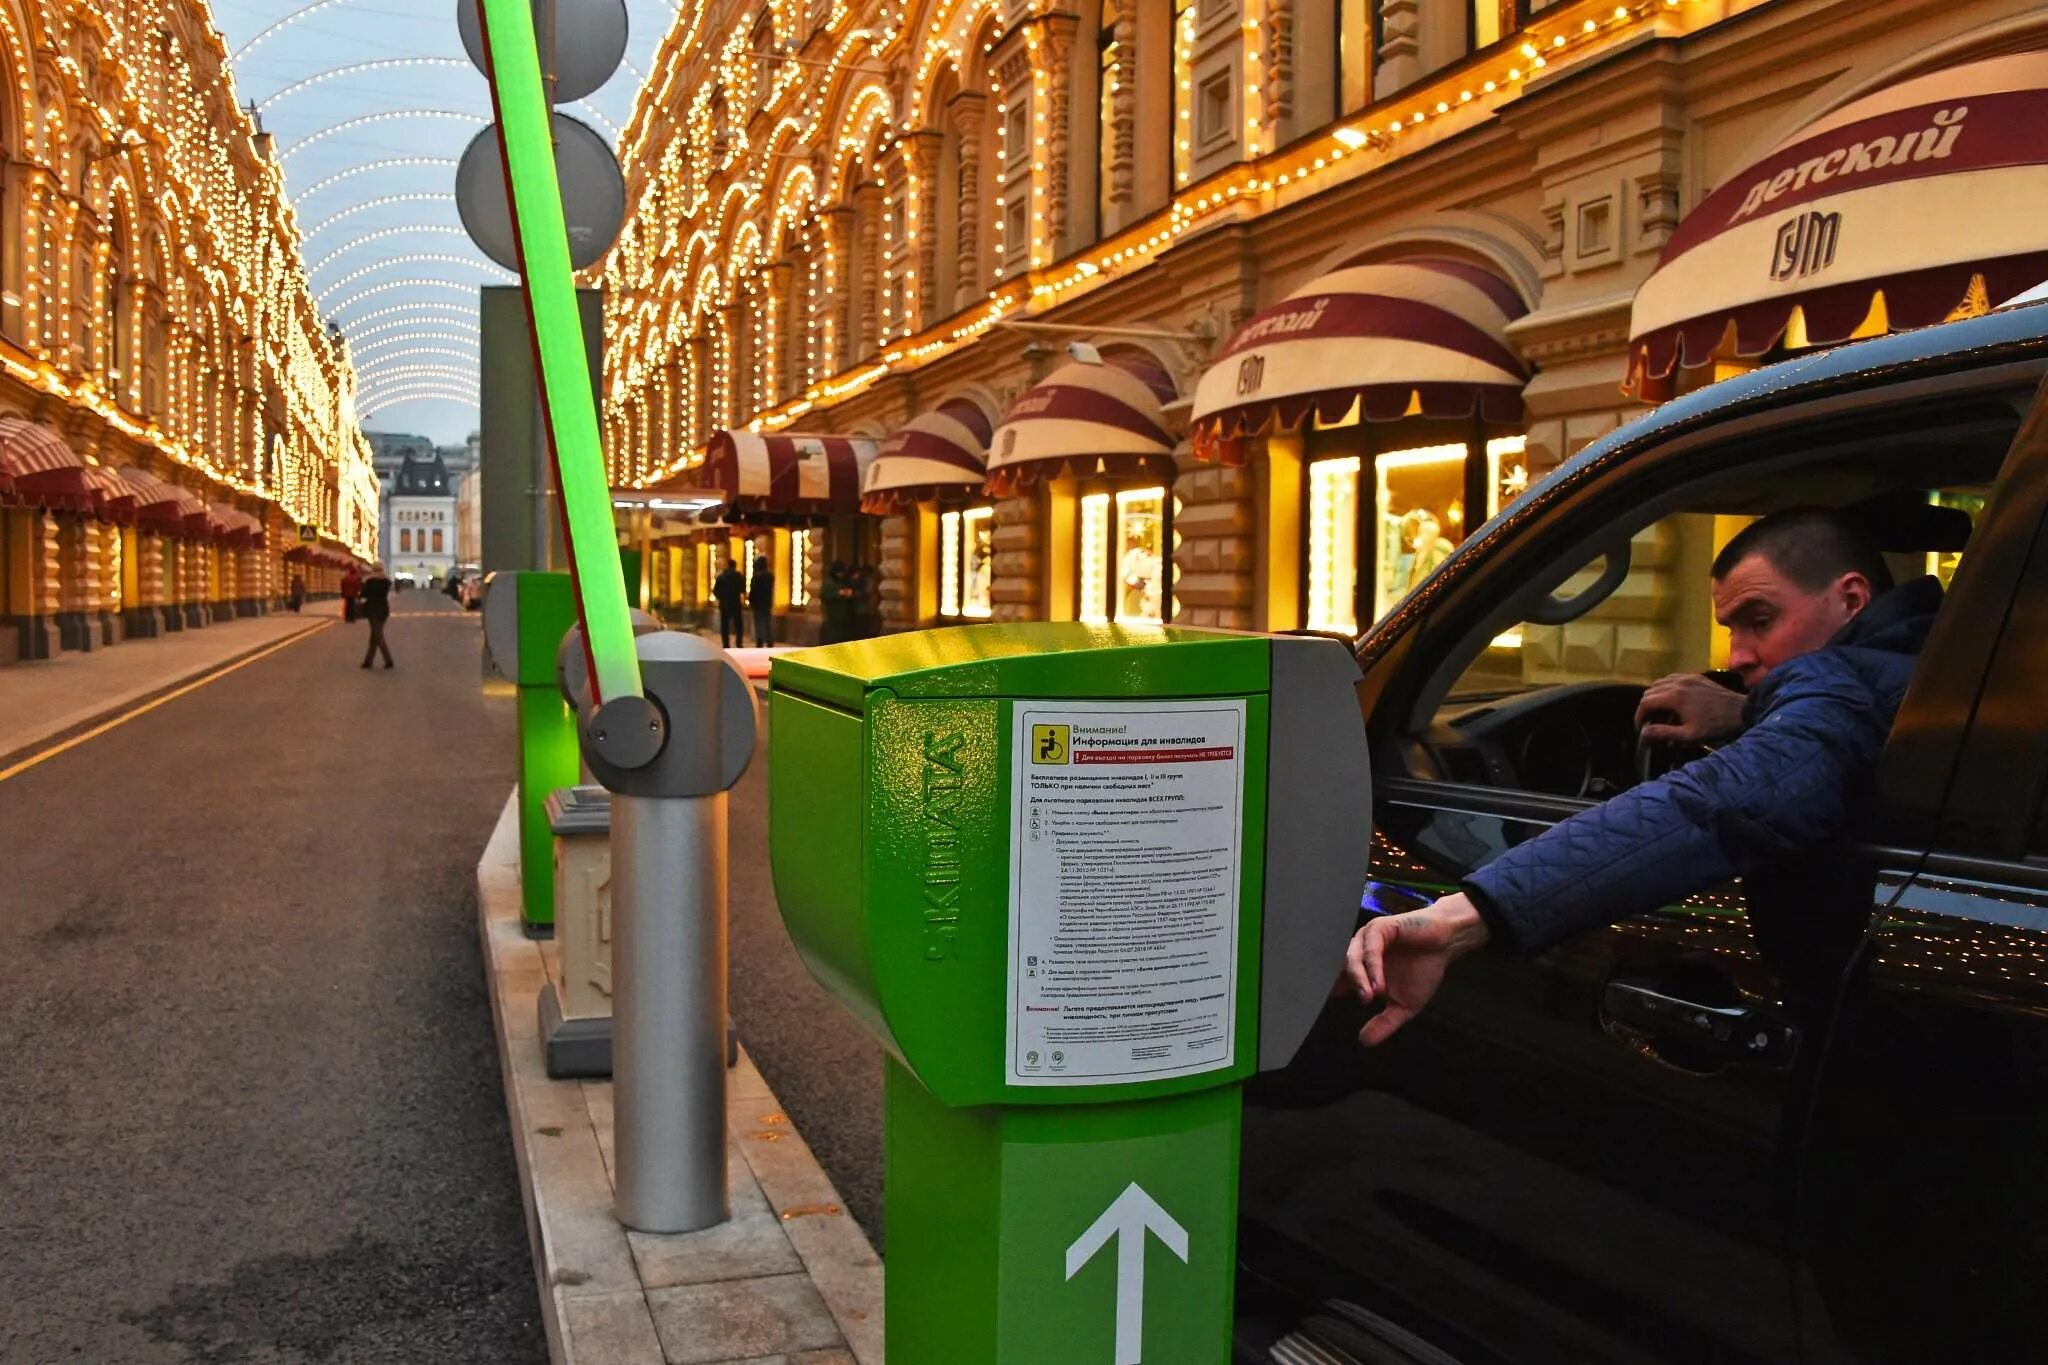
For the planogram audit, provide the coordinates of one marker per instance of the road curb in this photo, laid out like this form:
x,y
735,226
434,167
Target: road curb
x,y
790,1279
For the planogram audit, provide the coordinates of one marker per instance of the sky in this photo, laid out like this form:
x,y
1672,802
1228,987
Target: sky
x,y
415,344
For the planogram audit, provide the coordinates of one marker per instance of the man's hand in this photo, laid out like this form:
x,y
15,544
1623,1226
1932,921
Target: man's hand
x,y
1400,959
1707,712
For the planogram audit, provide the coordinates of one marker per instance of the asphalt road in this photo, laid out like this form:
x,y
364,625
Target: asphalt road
x,y
824,1068
250,1108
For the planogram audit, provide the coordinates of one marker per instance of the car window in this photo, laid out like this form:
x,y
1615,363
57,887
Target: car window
x,y
1659,618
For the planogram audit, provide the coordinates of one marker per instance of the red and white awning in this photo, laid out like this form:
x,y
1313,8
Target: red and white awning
x,y
164,505
764,480
1086,418
1925,200
1417,336
42,470
944,453
236,526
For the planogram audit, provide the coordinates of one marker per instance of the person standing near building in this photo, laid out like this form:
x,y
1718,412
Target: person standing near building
x,y
728,588
296,596
375,599
761,596
351,584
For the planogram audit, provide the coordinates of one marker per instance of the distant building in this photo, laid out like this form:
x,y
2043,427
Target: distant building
x,y
419,538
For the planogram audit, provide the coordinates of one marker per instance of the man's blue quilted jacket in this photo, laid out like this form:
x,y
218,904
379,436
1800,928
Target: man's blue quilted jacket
x,y
1796,779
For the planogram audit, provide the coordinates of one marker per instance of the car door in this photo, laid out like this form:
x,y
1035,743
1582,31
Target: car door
x,y
1590,1155
1924,1209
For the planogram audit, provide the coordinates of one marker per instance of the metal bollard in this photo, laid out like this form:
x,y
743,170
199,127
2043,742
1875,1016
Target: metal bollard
x,y
669,760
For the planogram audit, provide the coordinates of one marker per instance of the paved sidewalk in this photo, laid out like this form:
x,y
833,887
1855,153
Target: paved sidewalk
x,y
42,700
790,1280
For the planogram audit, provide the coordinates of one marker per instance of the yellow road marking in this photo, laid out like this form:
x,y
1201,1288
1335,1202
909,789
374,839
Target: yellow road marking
x,y
33,759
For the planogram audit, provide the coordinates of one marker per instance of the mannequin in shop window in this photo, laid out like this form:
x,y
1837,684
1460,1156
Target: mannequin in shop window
x,y
1423,547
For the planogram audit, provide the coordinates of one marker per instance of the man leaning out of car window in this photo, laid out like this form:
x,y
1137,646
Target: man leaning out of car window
x,y
1826,646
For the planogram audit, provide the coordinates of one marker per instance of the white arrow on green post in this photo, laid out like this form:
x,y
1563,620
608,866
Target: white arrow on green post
x,y
1128,1219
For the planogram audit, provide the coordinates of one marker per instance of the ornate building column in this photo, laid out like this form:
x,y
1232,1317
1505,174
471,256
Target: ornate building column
x,y
1400,52
78,582
1016,585
968,110
923,152
1052,94
866,273
835,290
786,327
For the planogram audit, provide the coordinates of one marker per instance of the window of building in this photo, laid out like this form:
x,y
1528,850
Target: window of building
x,y
967,554
437,542
1419,509
405,540
1213,117
1486,22
1333,545
1124,557
801,552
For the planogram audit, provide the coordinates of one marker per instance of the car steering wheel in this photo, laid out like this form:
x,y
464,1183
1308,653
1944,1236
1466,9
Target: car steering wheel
x,y
1654,758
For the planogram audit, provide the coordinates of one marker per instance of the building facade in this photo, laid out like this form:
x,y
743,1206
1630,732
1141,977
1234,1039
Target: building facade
x,y
177,429
1243,312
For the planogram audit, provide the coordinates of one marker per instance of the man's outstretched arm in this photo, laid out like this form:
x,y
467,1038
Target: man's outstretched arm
x,y
1796,780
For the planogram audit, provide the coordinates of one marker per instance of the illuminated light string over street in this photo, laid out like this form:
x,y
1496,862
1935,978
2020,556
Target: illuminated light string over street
x,y
386,116
392,400
501,275
381,201
382,393
453,312
384,333
368,167
406,374
363,355
346,69
367,364
387,286
384,234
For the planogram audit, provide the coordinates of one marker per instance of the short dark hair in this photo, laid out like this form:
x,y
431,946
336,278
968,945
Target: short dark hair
x,y
1812,546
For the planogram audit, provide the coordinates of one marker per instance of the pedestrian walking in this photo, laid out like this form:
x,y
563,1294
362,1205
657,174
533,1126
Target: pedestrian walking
x,y
375,599
296,596
761,596
351,584
838,604
728,588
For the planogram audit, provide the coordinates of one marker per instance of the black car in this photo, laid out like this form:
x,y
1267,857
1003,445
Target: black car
x,y
1690,1137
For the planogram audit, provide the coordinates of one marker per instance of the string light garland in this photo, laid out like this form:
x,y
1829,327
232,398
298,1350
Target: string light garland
x,y
387,286
381,201
384,234
477,262
347,69
365,120
388,163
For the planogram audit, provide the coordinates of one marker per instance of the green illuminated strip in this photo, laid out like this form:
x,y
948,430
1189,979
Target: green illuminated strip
x,y
523,121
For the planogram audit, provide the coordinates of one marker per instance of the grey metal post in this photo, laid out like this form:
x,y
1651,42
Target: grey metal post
x,y
669,759
668,1010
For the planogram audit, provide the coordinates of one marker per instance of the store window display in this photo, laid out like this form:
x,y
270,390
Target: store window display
x,y
967,557
1124,543
1417,516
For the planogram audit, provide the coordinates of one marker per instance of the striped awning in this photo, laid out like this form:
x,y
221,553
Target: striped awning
x,y
165,506
1417,336
944,453
1920,202
1086,418
773,480
236,526
46,472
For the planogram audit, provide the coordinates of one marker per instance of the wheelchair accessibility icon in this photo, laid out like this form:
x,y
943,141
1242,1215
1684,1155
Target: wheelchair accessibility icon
x,y
1049,743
